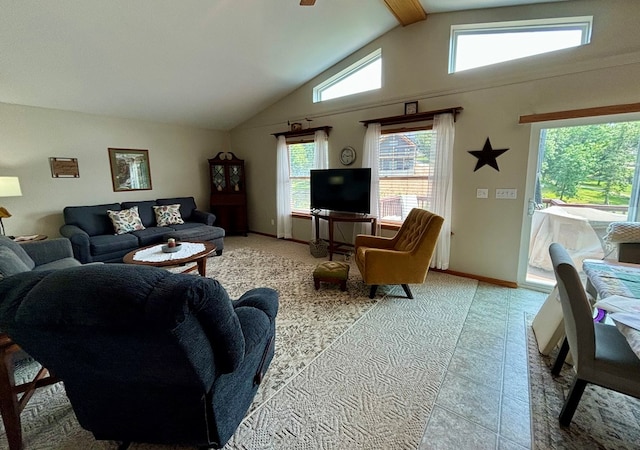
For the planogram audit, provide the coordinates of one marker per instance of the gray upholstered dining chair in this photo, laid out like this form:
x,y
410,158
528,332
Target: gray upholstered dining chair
x,y
600,352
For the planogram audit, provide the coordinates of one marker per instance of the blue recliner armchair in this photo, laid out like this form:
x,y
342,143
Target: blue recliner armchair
x,y
145,355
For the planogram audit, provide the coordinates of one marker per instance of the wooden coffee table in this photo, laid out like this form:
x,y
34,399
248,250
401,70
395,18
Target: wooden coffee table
x,y
199,258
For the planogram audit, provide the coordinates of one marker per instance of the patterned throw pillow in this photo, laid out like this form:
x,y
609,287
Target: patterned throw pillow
x,y
125,221
628,232
168,215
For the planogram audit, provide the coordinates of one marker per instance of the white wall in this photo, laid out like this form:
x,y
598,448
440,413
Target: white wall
x,y
487,232
29,136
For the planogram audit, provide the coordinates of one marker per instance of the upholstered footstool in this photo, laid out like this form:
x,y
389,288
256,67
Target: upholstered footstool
x,y
335,272
200,233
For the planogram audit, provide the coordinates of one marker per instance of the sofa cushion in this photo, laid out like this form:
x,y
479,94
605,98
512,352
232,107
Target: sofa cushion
x,y
10,263
197,233
109,243
145,211
19,251
126,220
92,219
187,205
168,215
151,235
186,226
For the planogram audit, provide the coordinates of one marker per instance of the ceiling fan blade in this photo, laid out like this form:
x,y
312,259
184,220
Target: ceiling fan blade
x,y
307,2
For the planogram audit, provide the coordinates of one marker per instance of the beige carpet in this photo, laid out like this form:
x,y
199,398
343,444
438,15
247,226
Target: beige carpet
x,y
604,419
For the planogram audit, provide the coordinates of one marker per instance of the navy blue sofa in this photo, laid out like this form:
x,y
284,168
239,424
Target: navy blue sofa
x,y
93,237
145,355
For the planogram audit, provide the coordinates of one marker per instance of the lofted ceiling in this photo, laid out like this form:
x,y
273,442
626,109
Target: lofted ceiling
x,y
205,63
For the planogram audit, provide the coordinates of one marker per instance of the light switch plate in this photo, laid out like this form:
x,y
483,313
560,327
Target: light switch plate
x,y
506,194
482,193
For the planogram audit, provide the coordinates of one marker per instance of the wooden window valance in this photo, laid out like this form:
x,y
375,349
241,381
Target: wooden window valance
x,y
417,117
578,113
298,133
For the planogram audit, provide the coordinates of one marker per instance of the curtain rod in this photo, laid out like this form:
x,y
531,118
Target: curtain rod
x,y
305,132
417,117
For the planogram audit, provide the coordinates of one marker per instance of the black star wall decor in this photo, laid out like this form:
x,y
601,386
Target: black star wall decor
x,y
487,155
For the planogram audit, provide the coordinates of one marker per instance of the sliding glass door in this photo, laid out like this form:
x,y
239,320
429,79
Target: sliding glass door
x,y
584,174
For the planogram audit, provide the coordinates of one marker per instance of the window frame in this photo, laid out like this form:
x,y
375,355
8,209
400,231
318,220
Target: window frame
x,y
292,177
346,73
583,23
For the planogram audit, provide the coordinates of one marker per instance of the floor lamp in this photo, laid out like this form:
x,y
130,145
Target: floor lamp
x,y
9,187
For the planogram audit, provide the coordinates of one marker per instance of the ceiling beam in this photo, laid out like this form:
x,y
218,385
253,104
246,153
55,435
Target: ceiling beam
x,y
406,11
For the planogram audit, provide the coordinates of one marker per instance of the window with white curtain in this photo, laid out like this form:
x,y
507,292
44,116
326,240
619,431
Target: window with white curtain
x,y
301,161
406,171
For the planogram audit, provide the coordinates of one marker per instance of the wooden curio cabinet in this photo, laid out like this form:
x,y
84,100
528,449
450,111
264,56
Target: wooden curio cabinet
x,y
228,193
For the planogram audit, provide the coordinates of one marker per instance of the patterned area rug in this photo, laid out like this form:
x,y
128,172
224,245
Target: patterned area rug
x,y
604,419
308,322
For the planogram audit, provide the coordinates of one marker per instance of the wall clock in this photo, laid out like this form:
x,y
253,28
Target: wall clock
x,y
347,155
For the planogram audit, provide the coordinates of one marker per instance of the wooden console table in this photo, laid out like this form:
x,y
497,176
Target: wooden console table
x,y
333,217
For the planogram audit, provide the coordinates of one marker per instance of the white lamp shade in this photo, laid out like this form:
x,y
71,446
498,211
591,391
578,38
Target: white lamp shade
x,y
10,187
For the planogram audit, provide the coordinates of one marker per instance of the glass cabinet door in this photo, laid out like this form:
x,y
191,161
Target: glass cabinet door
x,y
235,175
218,177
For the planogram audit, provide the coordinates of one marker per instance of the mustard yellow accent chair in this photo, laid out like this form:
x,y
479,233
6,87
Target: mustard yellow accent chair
x,y
402,259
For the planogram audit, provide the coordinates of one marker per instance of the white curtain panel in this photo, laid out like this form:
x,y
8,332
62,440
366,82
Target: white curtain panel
x,y
371,158
442,155
321,161
283,190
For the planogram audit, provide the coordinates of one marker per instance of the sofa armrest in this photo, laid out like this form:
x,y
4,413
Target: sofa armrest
x,y
79,242
204,217
265,299
43,252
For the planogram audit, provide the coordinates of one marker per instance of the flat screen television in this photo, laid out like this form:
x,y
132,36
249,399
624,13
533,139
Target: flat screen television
x,y
345,190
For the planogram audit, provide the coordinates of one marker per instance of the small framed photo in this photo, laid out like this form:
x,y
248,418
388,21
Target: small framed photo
x,y
410,108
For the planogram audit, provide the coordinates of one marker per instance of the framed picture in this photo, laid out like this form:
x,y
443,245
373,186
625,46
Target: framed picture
x,y
130,169
64,167
410,108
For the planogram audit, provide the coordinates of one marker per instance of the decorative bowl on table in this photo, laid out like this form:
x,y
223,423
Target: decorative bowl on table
x,y
167,249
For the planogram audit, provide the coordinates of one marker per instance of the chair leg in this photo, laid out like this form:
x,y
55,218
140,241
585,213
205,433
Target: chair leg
x,y
571,403
407,291
372,291
562,355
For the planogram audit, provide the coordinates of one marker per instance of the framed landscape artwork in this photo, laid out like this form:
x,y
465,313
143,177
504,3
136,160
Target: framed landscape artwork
x,y
130,169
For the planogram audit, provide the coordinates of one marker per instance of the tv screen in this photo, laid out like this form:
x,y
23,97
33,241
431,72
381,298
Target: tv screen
x,y
347,190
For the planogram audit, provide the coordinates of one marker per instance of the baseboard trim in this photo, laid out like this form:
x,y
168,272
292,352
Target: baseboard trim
x,y
298,241
509,284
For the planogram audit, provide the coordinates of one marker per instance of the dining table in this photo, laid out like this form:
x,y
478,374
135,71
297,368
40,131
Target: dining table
x,y
612,278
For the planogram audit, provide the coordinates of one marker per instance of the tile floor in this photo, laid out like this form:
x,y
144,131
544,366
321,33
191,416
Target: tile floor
x,y
483,402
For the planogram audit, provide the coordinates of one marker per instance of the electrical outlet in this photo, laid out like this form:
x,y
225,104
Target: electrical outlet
x,y
482,193
506,194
